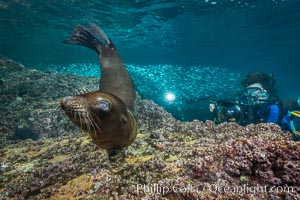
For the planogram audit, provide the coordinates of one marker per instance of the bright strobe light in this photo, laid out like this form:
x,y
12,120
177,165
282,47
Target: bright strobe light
x,y
169,96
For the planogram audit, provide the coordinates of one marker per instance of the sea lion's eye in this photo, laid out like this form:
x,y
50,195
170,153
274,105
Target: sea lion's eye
x,y
104,105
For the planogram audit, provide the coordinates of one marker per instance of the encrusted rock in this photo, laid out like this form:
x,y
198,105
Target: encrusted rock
x,y
168,160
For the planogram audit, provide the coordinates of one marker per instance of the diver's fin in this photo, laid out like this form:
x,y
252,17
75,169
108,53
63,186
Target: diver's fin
x,y
295,113
92,37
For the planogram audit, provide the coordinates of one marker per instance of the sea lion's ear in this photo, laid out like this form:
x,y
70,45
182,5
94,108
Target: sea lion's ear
x,y
124,119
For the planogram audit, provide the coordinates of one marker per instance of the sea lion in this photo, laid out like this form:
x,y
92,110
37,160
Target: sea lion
x,y
108,114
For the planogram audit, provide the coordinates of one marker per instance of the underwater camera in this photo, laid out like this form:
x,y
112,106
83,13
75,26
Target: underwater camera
x,y
229,111
240,110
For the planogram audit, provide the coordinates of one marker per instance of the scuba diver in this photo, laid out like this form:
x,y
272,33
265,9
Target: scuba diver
x,y
259,103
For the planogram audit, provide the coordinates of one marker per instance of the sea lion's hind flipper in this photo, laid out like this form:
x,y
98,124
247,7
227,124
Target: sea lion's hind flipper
x,y
84,37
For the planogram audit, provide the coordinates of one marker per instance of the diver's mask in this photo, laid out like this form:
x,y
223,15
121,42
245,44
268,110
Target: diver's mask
x,y
255,94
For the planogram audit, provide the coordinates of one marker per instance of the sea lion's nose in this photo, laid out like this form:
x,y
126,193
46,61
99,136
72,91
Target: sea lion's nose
x,y
65,101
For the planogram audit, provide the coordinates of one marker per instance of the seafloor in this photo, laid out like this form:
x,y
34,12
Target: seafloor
x,y
43,156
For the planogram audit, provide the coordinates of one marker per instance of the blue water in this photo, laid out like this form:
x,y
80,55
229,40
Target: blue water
x,y
192,48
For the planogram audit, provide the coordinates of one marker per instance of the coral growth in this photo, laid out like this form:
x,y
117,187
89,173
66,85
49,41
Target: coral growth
x,y
275,162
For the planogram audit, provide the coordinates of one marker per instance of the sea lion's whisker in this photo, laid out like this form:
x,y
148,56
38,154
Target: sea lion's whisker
x,y
83,122
80,120
98,120
87,122
91,126
67,112
94,125
72,113
98,126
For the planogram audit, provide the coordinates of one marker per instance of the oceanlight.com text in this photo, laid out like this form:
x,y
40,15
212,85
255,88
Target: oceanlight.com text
x,y
179,188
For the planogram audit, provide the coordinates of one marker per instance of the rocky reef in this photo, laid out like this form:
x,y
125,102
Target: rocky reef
x,y
43,156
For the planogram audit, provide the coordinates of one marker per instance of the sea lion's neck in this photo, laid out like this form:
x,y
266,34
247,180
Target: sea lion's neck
x,y
114,71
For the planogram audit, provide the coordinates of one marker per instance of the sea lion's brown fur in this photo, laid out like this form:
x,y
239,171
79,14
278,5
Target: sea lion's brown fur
x,y
108,114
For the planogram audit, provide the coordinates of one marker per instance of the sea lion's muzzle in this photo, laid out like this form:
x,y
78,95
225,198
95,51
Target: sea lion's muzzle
x,y
77,109
73,103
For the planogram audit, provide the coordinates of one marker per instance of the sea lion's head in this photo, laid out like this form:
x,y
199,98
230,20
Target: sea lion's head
x,y
100,114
